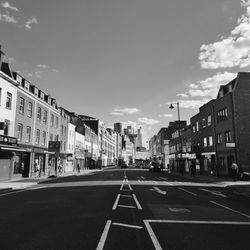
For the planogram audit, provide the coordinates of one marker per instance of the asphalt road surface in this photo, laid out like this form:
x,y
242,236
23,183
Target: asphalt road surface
x,y
124,209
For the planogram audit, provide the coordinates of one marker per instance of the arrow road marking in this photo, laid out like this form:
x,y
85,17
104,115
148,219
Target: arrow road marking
x,y
156,189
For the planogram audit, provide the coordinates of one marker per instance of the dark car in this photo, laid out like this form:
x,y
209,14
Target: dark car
x,y
124,165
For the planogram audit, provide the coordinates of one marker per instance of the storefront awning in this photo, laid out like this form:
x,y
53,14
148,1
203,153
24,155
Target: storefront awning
x,y
12,148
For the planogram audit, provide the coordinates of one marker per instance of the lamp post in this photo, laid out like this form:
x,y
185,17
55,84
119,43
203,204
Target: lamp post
x,y
179,128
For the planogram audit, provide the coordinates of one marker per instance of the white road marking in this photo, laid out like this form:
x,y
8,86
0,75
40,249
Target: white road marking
x,y
104,236
126,225
142,177
13,192
139,181
228,208
123,180
170,184
125,195
213,192
199,222
163,178
188,191
126,206
137,202
179,210
121,187
116,202
152,235
126,180
157,190
130,187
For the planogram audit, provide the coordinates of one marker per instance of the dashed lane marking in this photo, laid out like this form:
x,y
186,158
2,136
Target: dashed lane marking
x,y
218,193
121,187
137,202
130,187
125,195
126,225
187,191
116,202
228,208
104,236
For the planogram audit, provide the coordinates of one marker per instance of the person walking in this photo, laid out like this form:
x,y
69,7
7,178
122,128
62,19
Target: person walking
x,y
235,169
78,168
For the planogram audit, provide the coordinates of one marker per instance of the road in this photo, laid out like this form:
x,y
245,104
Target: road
x,y
124,209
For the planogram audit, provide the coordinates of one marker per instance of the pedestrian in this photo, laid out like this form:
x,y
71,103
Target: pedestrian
x,y
37,170
192,168
234,169
78,168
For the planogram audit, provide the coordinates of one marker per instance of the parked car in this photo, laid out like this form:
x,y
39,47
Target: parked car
x,y
124,165
155,167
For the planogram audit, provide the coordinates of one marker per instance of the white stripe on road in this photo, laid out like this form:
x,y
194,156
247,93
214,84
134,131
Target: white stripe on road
x,y
228,208
199,222
163,178
13,192
187,191
137,202
126,206
116,202
213,192
121,187
130,187
125,195
152,235
104,236
169,183
126,225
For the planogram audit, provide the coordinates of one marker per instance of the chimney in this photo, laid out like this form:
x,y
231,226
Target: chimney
x,y
1,54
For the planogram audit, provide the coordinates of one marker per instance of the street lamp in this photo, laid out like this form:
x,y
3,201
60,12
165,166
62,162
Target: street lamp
x,y
179,126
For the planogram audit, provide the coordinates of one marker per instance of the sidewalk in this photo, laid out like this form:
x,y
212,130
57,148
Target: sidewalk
x,y
237,187
22,183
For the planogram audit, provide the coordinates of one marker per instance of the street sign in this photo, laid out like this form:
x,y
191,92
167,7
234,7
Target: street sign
x,y
4,139
54,146
230,144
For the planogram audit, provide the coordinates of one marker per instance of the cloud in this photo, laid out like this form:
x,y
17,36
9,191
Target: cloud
x,y
11,60
30,21
193,104
8,6
148,121
125,111
55,70
38,74
165,115
43,66
7,18
183,95
230,51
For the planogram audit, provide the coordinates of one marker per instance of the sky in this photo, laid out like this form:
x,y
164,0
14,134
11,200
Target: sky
x,y
127,60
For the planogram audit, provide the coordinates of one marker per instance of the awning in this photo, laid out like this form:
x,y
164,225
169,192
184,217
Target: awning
x,y
12,148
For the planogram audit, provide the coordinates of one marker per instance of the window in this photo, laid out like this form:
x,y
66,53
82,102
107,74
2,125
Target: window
x,y
197,126
210,140
6,127
209,120
65,131
193,128
222,114
228,136
0,95
52,120
204,122
21,106
219,138
44,138
51,137
28,134
205,142
56,137
39,113
9,100
45,114
57,121
30,107
19,131
37,136
61,130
